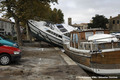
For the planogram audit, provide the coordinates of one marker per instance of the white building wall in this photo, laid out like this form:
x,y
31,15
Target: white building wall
x,y
6,28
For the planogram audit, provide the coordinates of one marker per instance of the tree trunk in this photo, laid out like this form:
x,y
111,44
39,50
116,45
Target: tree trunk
x,y
28,33
19,38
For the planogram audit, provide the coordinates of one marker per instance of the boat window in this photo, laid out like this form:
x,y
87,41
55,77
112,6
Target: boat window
x,y
116,45
51,26
60,26
108,46
48,31
60,36
87,34
62,29
70,37
105,46
54,34
99,32
119,44
73,37
57,35
67,34
76,38
80,47
94,47
47,24
102,46
87,46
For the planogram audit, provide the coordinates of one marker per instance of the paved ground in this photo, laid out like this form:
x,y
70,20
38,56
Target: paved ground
x,y
42,64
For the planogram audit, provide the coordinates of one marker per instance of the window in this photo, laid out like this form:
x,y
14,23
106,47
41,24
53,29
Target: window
x,y
61,27
73,37
102,46
87,46
1,24
60,36
81,47
113,21
99,32
105,46
87,34
76,38
54,34
116,45
67,34
117,21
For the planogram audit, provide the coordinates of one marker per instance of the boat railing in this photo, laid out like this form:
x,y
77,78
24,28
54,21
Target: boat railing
x,y
98,46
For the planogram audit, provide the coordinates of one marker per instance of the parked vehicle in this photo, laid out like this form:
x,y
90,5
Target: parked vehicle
x,y
9,54
8,42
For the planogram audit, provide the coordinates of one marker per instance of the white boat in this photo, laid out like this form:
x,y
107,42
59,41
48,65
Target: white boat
x,y
102,38
98,54
117,34
48,32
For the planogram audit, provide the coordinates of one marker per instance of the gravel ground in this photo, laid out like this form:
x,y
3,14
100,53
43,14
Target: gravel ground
x,y
40,64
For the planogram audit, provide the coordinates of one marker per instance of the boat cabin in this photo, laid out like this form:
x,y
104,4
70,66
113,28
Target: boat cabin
x,y
80,36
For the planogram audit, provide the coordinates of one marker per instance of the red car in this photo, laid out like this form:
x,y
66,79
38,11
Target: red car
x,y
9,54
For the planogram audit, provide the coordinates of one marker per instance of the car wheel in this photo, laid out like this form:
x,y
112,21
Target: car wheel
x,y
4,59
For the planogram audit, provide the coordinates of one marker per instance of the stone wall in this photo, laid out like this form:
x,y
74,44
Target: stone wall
x,y
114,23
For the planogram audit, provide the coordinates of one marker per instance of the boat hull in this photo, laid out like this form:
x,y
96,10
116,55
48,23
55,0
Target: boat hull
x,y
96,63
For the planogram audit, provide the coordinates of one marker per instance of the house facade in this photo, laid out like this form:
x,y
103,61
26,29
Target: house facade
x,y
7,27
81,26
114,23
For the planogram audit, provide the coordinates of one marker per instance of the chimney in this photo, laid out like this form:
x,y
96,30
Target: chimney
x,y
110,17
69,21
118,14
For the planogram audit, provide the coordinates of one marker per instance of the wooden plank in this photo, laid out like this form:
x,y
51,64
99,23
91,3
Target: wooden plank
x,y
106,32
109,58
80,59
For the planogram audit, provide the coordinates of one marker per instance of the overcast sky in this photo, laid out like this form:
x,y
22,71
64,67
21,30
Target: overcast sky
x,y
82,11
